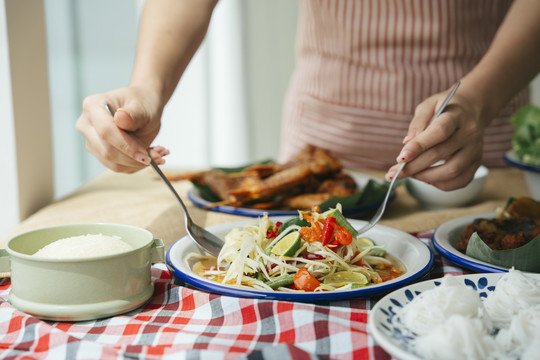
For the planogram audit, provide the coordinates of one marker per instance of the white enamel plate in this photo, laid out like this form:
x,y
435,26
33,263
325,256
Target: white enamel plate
x,y
412,252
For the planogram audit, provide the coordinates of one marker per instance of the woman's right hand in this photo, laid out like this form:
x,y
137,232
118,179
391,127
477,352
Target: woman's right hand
x,y
137,111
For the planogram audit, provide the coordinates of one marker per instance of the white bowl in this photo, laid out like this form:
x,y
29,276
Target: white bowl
x,y
433,198
532,173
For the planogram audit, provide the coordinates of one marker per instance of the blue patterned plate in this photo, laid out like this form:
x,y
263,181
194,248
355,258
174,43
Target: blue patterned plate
x,y
385,324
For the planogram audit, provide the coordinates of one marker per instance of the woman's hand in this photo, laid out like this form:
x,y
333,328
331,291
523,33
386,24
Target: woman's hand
x,y
135,110
170,33
455,137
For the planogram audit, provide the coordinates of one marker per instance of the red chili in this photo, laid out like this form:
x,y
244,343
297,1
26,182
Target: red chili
x,y
332,245
270,234
311,256
328,230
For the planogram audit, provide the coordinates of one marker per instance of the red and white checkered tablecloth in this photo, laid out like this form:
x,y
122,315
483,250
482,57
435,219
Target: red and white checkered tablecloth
x,y
183,323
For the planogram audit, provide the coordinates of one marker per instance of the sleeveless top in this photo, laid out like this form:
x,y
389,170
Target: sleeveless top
x,y
362,66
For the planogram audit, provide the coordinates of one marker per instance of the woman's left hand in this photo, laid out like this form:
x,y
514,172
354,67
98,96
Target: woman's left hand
x,y
455,137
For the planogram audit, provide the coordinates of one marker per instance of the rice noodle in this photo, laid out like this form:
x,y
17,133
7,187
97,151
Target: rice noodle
x,y
523,332
514,292
435,306
452,322
459,337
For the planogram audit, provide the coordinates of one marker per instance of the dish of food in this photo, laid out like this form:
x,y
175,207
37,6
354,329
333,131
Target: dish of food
x,y
508,238
313,178
413,254
468,316
349,208
532,173
512,159
446,237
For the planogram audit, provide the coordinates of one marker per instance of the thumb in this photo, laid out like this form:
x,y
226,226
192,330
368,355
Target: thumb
x,y
124,120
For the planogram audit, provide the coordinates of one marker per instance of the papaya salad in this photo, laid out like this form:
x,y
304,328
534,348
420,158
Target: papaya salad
x,y
315,251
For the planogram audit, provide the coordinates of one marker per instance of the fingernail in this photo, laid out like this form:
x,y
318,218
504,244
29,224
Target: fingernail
x,y
142,158
124,111
390,175
405,155
409,136
160,161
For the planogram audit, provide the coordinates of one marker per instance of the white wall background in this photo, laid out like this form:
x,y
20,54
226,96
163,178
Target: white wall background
x,y
9,207
227,107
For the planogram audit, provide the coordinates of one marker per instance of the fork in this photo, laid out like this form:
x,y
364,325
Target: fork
x,y
202,237
375,219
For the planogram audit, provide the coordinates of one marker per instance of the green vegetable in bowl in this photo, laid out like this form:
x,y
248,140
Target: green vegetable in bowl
x,y
526,138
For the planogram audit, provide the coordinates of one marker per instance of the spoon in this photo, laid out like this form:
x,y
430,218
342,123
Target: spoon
x,y
375,219
202,237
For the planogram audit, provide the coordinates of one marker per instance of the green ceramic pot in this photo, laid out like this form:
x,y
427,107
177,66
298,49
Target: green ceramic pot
x,y
80,288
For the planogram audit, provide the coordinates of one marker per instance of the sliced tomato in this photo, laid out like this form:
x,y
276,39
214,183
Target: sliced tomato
x,y
342,235
303,280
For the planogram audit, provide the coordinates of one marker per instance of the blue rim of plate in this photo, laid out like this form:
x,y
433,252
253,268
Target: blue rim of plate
x,y
462,259
511,158
300,297
195,198
366,292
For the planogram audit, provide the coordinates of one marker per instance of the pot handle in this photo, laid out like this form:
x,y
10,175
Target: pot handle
x,y
5,265
157,251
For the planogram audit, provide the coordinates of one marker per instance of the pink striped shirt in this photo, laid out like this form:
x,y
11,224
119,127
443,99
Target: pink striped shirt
x,y
364,65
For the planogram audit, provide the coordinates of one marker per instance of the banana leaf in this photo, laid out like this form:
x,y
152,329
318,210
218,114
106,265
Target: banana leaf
x,y
372,193
524,258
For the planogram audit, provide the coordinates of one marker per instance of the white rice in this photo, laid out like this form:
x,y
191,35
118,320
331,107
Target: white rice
x,y
84,246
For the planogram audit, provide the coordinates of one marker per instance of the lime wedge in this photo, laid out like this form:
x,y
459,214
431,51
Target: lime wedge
x,y
288,245
342,278
364,241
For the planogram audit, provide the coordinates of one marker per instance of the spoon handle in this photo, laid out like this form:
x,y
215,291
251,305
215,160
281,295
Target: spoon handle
x,y
446,101
156,168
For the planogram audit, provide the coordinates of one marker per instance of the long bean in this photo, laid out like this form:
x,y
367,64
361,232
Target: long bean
x,y
284,280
